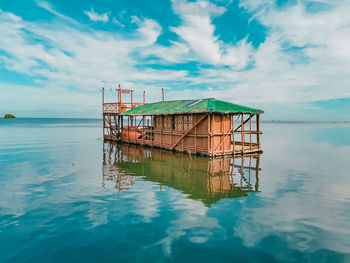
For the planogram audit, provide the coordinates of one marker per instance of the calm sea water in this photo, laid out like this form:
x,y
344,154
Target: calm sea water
x,y
65,196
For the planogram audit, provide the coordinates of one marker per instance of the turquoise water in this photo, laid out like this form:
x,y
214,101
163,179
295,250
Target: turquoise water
x,y
65,196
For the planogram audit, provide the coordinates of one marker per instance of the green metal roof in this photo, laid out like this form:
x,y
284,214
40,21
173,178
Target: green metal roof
x,y
190,106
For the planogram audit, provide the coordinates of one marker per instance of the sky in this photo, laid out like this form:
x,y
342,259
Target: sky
x,y
290,58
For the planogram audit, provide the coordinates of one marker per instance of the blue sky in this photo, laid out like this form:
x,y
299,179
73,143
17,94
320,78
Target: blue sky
x,y
289,58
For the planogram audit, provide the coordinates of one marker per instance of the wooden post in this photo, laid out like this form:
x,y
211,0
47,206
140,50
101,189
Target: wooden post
x,y
250,167
258,129
250,132
115,126
212,134
152,128
122,125
183,131
135,129
242,134
195,136
144,97
118,127
171,129
110,126
209,134
143,129
223,133
120,99
161,129
129,129
242,165
233,133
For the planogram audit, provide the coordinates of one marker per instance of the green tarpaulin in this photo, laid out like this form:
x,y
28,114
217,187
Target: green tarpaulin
x,y
190,106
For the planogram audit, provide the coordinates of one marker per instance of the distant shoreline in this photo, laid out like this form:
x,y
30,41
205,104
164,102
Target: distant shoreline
x,y
263,121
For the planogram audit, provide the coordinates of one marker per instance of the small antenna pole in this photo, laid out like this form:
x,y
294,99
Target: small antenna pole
x,y
131,98
163,93
119,98
103,95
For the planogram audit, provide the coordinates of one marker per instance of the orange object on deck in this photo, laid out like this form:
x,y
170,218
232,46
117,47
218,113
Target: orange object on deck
x,y
132,132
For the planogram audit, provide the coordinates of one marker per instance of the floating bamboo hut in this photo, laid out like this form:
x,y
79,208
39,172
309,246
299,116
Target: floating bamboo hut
x,y
202,126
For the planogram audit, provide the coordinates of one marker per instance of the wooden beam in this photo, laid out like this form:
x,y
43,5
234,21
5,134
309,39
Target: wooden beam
x,y
235,121
251,115
183,136
139,122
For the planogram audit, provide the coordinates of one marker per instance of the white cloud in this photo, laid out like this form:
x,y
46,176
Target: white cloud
x,y
175,53
48,7
96,17
323,38
150,30
116,22
200,8
69,57
198,32
317,69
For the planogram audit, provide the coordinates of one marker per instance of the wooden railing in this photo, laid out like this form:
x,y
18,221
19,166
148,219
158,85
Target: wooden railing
x,y
110,108
119,108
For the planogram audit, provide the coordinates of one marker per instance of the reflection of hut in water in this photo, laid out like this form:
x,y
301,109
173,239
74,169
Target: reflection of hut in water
x,y
208,180
110,170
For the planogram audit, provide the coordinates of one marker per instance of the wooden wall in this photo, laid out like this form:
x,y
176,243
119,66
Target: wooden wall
x,y
169,129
